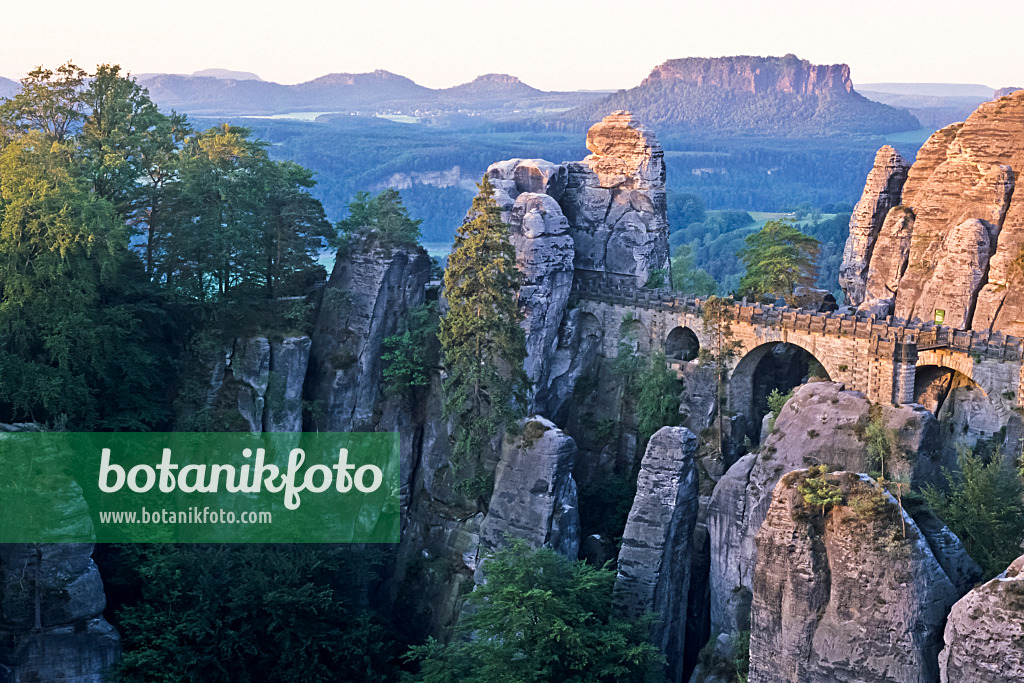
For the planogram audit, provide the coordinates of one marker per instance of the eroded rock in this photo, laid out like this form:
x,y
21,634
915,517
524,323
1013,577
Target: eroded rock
x,y
984,633
851,593
654,561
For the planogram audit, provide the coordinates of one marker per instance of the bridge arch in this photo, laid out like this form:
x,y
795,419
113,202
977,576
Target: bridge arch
x,y
682,344
780,365
635,333
965,402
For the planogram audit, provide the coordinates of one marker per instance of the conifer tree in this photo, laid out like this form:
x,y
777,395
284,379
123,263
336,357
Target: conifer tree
x,y
484,347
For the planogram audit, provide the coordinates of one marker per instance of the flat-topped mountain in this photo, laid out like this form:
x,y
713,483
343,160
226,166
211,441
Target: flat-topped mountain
x,y
751,95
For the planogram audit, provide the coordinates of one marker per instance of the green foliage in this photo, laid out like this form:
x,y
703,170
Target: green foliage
x,y
539,618
817,491
882,443
656,279
657,391
983,504
246,613
714,666
483,345
687,277
716,318
409,355
381,219
776,401
778,259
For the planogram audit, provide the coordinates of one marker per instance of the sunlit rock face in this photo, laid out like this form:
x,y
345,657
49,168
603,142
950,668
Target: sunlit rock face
x,y
615,200
882,192
953,240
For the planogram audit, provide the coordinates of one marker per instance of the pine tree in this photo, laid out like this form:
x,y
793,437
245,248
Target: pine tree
x,y
484,347
778,259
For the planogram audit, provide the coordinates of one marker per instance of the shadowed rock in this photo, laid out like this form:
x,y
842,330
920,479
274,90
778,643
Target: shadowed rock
x,y
654,562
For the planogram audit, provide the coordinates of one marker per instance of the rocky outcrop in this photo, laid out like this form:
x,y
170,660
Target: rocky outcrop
x,y
821,424
534,495
52,601
985,632
544,255
654,561
953,244
882,192
256,384
615,201
366,299
853,593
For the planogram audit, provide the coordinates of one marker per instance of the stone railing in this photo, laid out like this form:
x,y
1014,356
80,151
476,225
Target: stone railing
x,y
884,333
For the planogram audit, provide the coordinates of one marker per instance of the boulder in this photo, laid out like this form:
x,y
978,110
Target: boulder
x,y
853,593
655,558
984,634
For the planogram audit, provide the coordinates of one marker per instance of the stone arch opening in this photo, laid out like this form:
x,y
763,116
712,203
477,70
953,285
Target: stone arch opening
x,y
779,366
635,334
964,409
682,344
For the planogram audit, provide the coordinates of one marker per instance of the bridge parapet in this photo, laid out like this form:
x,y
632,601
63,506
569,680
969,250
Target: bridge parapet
x,y
611,289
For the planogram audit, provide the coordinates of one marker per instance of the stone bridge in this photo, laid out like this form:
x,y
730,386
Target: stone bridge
x,y
879,357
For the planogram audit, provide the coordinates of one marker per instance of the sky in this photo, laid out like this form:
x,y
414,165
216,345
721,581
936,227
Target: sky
x,y
552,45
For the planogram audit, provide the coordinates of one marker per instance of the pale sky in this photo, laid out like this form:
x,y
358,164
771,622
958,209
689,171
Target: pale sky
x,y
550,44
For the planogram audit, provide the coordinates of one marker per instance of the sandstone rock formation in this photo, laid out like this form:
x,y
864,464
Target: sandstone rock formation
x,y
534,495
854,594
882,192
367,296
954,241
654,562
256,384
985,632
821,424
615,201
757,74
544,251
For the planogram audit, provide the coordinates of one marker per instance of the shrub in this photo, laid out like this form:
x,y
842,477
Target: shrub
x,y
983,504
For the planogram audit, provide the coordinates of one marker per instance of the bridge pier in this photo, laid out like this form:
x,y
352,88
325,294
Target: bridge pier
x,y
904,373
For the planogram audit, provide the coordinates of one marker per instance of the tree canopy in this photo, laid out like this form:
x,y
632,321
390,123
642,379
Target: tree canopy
x,y
539,617
778,259
484,347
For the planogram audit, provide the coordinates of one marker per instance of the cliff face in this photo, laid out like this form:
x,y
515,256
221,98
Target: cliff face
x,y
953,243
882,192
69,639
366,298
654,562
851,594
787,74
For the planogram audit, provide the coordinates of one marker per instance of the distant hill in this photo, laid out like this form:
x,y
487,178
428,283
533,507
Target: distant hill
x,y
367,93
228,73
750,95
8,87
1003,92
